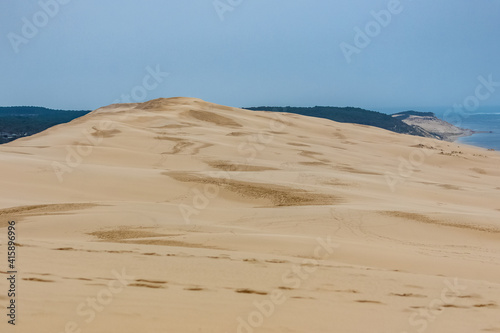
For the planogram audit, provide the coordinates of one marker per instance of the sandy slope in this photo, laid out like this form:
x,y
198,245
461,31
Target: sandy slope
x,y
432,124
178,215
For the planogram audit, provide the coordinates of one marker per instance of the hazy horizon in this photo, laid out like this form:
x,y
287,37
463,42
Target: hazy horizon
x,y
387,110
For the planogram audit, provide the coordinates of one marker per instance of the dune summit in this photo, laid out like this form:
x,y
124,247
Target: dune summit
x,y
181,215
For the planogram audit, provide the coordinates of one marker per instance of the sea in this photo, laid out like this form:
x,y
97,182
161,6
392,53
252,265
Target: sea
x,y
484,119
483,122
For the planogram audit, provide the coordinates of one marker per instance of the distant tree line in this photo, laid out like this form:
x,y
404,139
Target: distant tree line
x,y
350,115
20,121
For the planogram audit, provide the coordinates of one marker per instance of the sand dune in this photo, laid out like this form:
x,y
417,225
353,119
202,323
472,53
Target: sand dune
x,y
180,215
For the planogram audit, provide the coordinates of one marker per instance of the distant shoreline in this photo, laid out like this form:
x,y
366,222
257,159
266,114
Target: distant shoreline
x,y
476,144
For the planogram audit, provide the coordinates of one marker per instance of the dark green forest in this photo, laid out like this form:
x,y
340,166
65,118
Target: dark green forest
x,y
350,115
20,121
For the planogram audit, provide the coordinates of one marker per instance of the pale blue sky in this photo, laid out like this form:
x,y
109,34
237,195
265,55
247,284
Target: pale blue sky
x,y
264,52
